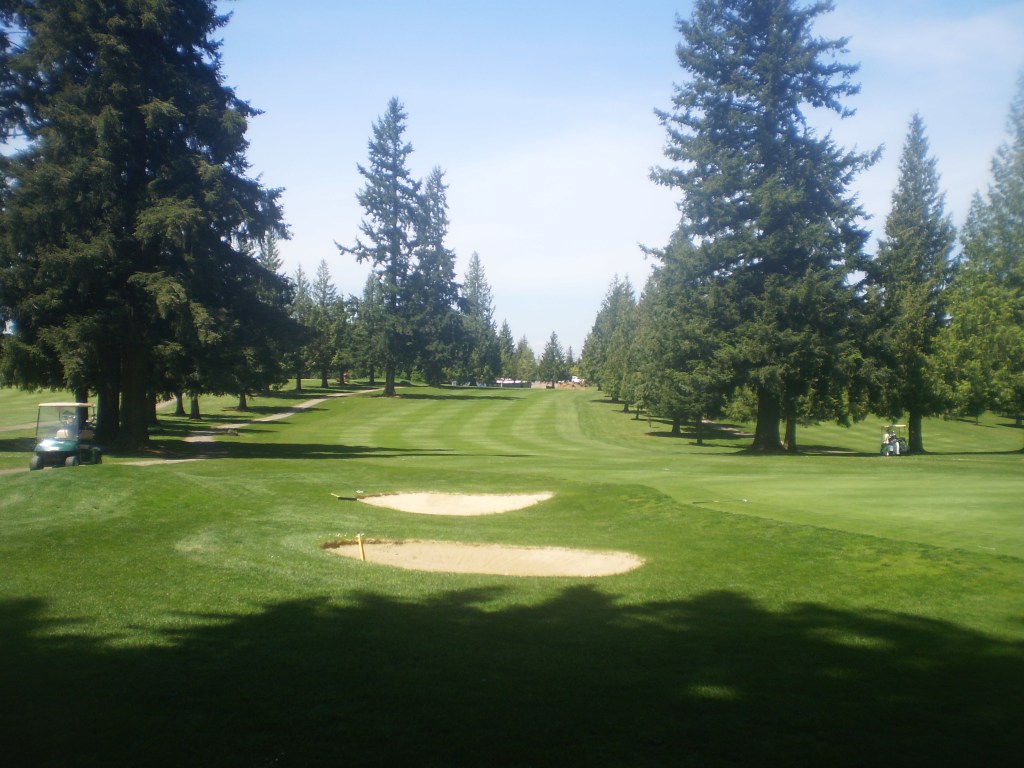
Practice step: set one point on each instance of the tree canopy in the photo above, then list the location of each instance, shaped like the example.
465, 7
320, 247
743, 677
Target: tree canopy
128, 218
911, 271
765, 200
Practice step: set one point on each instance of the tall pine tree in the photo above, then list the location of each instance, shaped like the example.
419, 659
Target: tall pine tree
434, 292
765, 200
910, 272
984, 346
482, 357
127, 212
391, 201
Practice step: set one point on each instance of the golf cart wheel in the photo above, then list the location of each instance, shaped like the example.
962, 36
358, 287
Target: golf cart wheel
36, 462
97, 456
71, 461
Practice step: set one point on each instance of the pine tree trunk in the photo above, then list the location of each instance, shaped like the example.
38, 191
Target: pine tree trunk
789, 444
107, 412
766, 433
699, 429
389, 380
677, 426
134, 431
243, 402
915, 438
179, 408
193, 412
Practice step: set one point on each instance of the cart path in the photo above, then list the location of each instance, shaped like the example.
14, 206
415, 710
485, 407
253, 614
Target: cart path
208, 436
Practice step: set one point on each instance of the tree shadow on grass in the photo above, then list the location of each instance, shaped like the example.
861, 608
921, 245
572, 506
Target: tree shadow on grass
453, 680
711, 433
17, 444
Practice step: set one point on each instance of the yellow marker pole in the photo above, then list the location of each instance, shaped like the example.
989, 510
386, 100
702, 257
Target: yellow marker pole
362, 552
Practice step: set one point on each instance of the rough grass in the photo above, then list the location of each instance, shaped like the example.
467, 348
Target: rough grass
831, 608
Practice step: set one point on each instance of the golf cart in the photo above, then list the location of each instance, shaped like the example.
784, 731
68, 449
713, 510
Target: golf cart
64, 436
894, 440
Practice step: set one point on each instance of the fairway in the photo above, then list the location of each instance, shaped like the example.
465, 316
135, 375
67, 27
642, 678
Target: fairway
832, 608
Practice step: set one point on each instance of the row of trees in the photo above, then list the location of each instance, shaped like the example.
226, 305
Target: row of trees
138, 257
413, 315
128, 223
345, 335
765, 295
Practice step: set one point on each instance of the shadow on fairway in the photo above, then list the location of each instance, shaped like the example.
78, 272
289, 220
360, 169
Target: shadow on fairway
578, 680
724, 432
17, 444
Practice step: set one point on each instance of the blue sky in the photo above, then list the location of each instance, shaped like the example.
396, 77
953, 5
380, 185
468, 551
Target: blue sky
542, 116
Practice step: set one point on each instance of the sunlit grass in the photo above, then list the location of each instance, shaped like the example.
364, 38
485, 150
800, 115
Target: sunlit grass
833, 608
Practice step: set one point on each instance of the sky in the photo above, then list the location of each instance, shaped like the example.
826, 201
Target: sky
542, 117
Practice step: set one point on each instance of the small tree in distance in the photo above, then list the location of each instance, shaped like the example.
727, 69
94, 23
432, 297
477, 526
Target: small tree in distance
551, 367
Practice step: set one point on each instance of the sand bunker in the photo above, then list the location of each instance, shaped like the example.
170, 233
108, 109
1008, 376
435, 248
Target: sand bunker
493, 559
500, 560
455, 503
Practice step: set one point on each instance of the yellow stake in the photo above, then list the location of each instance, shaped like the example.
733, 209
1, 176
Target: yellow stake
362, 552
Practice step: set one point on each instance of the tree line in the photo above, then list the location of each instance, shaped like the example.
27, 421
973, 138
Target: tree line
764, 305
139, 257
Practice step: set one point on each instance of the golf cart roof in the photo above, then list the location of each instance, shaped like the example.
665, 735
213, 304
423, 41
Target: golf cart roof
66, 405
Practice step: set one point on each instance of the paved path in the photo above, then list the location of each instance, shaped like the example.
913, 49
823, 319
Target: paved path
208, 436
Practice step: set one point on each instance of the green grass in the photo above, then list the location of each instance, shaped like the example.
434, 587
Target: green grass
833, 608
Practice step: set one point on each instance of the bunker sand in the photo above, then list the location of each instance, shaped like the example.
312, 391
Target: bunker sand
488, 559
492, 559
455, 504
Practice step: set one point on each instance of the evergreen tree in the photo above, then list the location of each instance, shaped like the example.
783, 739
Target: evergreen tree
482, 360
765, 200
551, 367
269, 255
684, 365
368, 323
391, 201
297, 359
127, 214
328, 324
911, 271
983, 348
618, 374
434, 291
507, 349
618, 302
525, 365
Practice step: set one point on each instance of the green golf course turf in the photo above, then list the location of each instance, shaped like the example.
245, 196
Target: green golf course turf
832, 608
